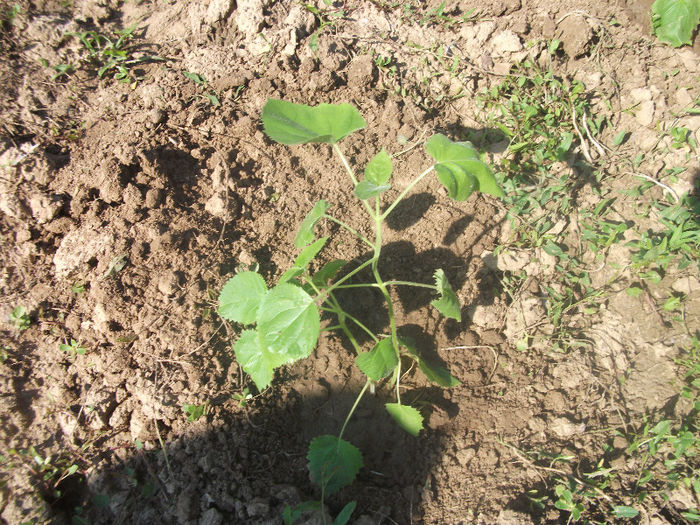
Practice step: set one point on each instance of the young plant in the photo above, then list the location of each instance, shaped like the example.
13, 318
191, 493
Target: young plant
284, 321
19, 317
73, 349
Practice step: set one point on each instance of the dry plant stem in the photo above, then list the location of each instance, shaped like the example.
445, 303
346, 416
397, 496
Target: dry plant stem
660, 184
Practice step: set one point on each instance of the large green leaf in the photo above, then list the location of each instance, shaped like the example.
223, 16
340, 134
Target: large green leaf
447, 304
288, 322
406, 417
303, 259
380, 361
305, 235
333, 462
255, 359
459, 168
241, 296
674, 21
291, 123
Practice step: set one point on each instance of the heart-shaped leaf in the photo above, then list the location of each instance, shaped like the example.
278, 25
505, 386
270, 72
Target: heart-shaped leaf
333, 462
447, 304
459, 168
305, 235
378, 362
290, 123
406, 417
241, 296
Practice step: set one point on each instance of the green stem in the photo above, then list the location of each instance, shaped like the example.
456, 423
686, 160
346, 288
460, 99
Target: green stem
354, 406
352, 176
351, 230
387, 297
348, 276
388, 283
403, 193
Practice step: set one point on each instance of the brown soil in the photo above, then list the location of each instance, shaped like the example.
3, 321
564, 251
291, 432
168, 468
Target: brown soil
182, 192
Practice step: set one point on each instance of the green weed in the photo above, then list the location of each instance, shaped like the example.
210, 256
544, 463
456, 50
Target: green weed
113, 56
73, 349
202, 83
19, 318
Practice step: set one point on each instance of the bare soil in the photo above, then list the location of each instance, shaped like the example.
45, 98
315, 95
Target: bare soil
176, 192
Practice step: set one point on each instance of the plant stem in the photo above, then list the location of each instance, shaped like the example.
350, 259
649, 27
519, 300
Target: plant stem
354, 406
388, 283
342, 314
348, 276
403, 193
351, 230
354, 179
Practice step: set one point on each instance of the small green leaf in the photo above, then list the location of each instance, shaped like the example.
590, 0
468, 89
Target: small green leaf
290, 123
379, 169
633, 291
674, 21
672, 303
241, 296
303, 259
622, 511
459, 168
620, 138
447, 304
367, 189
327, 273
344, 515
378, 362
333, 463
406, 417
305, 235
434, 373
553, 46
288, 322
567, 139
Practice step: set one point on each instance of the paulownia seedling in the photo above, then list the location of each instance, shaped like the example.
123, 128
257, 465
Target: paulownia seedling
283, 322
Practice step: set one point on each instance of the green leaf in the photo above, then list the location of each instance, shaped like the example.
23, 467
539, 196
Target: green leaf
255, 359
447, 304
303, 259
622, 511
241, 296
459, 168
327, 273
674, 21
305, 235
344, 515
379, 169
290, 123
434, 373
367, 189
333, 462
620, 138
567, 139
378, 362
406, 417
288, 322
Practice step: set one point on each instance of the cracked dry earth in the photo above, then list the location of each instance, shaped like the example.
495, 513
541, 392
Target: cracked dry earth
125, 206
